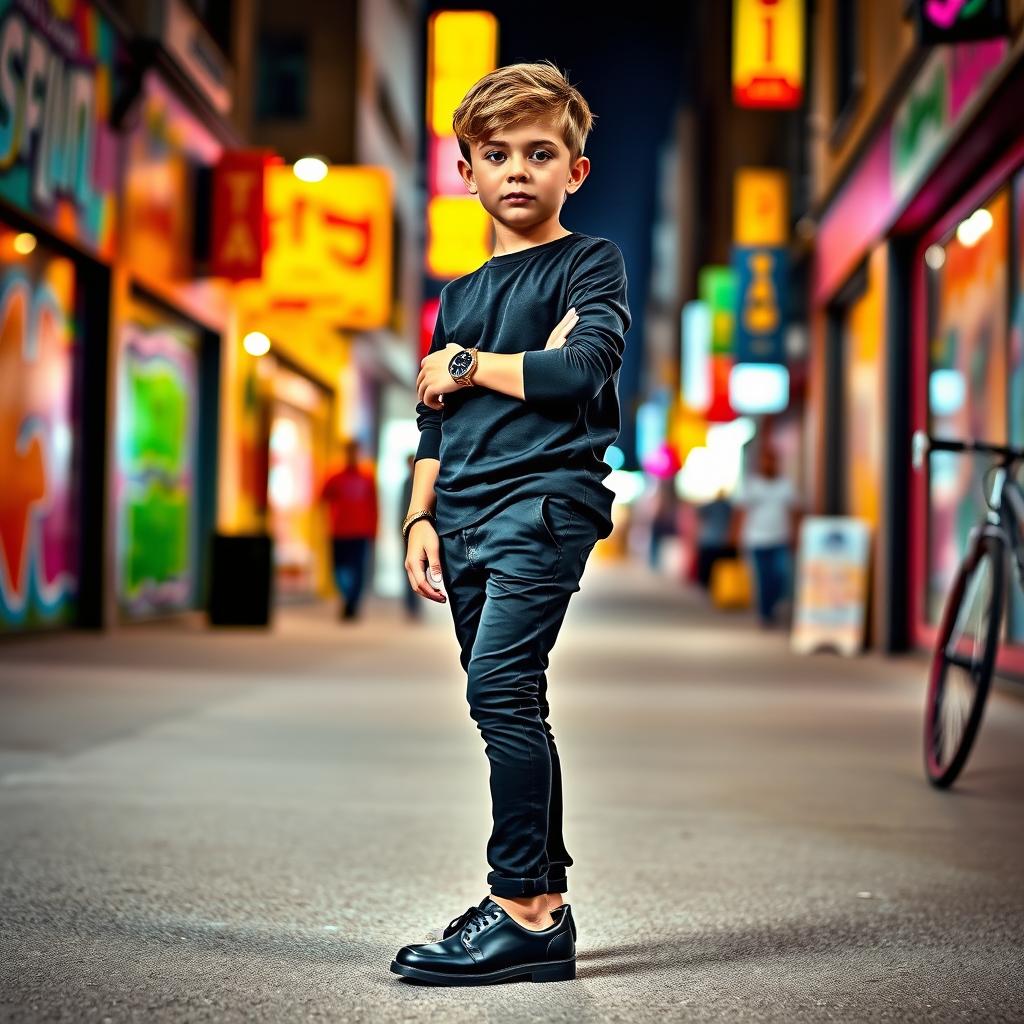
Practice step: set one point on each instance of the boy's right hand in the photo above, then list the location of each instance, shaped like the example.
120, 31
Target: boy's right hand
556, 339
422, 555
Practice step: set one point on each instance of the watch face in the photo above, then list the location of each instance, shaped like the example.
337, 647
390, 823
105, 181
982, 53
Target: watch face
460, 363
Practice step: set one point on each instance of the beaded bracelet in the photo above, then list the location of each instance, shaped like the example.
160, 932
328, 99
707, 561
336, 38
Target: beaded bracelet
423, 513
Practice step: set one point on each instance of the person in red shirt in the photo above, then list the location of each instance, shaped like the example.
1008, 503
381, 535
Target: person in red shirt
350, 495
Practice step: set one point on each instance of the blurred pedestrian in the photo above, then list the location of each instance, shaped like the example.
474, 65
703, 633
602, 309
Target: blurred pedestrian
663, 517
714, 522
350, 495
413, 604
765, 522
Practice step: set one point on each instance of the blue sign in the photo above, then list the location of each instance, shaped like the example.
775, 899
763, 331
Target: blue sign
761, 280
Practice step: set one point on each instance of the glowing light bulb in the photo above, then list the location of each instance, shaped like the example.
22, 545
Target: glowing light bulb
256, 343
970, 231
310, 168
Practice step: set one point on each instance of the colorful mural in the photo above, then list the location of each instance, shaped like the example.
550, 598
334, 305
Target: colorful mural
38, 540
58, 152
155, 480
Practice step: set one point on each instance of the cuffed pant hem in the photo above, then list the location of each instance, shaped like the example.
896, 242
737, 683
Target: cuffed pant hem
510, 887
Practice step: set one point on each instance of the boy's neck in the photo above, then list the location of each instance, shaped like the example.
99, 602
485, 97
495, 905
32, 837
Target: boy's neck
508, 240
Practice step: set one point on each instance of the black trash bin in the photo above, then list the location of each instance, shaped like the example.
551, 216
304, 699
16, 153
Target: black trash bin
242, 579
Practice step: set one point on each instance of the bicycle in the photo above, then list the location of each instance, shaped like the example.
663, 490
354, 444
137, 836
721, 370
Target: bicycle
964, 657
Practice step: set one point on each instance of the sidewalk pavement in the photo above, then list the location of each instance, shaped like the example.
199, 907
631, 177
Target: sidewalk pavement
245, 826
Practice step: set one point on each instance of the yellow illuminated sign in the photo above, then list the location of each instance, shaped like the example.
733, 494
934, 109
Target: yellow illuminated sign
768, 53
462, 47
329, 250
760, 206
458, 236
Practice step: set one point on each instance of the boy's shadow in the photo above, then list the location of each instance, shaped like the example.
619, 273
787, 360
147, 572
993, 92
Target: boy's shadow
684, 950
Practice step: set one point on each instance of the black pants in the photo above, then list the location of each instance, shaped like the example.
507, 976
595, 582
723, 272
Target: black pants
509, 580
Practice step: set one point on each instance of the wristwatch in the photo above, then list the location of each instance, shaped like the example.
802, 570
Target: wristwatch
463, 365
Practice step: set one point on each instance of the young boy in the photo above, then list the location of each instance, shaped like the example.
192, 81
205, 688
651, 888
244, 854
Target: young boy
508, 500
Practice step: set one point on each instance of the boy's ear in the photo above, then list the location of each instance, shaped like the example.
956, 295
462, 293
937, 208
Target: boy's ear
466, 173
580, 171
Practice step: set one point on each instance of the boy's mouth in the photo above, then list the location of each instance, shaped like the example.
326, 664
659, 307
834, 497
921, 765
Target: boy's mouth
513, 197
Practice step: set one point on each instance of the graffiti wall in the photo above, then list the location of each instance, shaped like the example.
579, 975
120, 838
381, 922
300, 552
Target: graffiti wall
156, 467
58, 153
38, 540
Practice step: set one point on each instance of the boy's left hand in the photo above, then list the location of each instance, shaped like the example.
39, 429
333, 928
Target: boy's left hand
434, 380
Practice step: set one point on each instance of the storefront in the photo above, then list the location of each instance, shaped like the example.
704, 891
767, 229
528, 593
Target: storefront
58, 207
169, 326
286, 409
296, 386
913, 327
968, 375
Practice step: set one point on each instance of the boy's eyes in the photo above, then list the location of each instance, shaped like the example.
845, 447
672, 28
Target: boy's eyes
498, 152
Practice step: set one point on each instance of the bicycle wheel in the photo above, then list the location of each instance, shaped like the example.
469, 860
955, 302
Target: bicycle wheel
962, 664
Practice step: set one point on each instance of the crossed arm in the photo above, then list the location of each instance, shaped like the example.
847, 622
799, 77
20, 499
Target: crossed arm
498, 371
575, 368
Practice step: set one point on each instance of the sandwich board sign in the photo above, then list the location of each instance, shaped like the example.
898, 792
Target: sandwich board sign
831, 585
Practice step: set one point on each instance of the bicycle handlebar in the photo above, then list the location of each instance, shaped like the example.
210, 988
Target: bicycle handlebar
923, 444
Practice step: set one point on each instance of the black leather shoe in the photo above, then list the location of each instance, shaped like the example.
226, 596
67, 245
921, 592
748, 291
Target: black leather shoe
566, 908
490, 946
436, 935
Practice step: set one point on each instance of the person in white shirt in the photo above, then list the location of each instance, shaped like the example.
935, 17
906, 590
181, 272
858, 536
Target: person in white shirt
766, 512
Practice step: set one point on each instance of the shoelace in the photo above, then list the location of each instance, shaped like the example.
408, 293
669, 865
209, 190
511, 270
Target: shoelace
476, 917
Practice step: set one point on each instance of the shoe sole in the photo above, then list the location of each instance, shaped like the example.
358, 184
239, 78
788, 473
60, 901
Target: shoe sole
561, 970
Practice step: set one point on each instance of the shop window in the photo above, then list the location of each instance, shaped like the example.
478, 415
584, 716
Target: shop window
299, 417
156, 474
968, 276
282, 78
855, 443
838, 422
291, 498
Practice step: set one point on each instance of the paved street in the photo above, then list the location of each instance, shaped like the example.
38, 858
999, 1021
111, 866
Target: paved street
234, 826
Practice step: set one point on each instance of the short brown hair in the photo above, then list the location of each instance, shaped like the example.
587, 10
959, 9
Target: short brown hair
517, 93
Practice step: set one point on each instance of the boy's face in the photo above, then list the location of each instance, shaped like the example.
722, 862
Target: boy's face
533, 159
